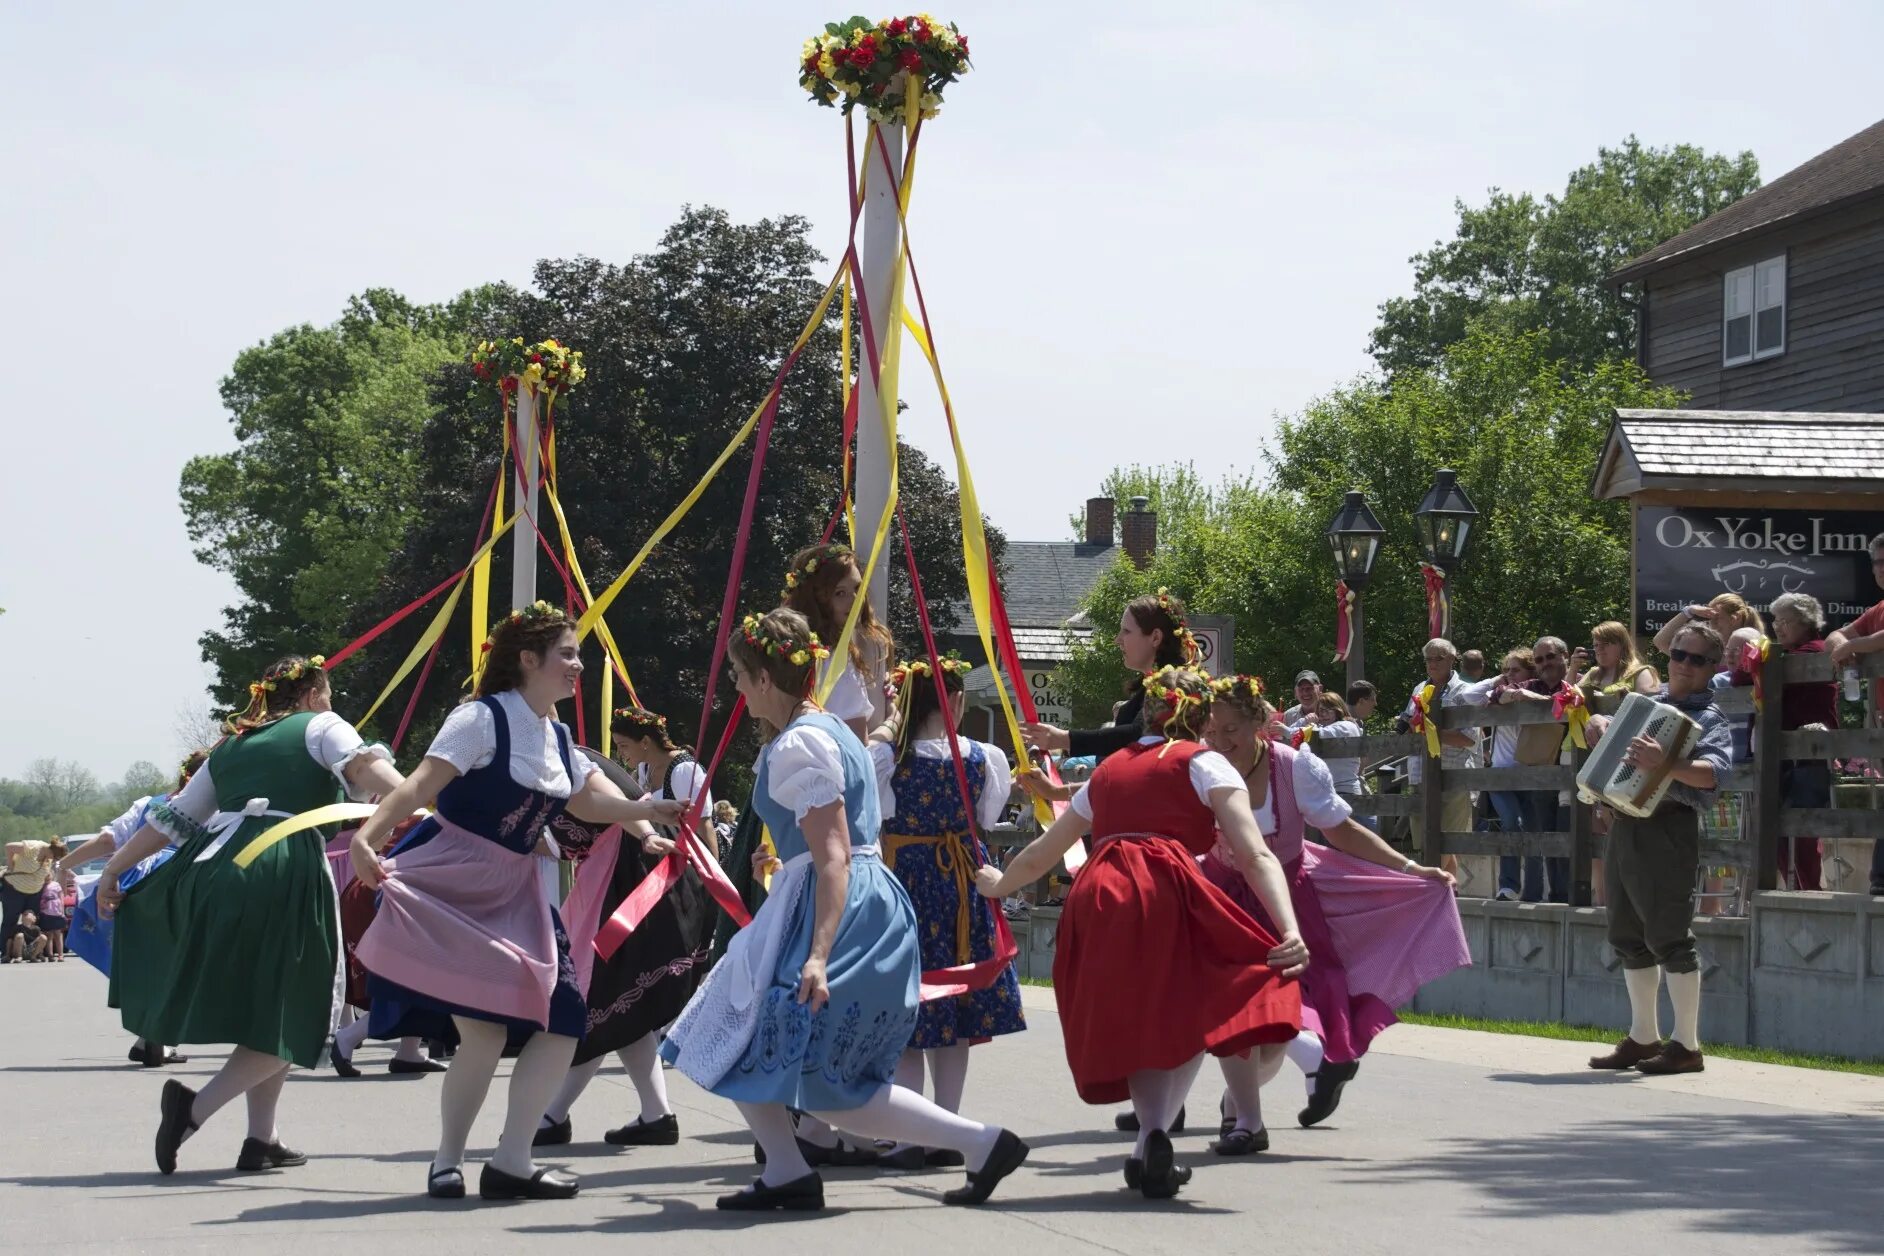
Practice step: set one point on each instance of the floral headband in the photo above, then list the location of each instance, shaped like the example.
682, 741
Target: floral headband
795, 575
538, 609
1181, 700
951, 663
640, 717
258, 690
1248, 688
1193, 652
799, 654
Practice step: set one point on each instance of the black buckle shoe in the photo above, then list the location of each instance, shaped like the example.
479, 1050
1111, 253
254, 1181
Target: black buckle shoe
1329, 1081
1163, 1175
445, 1183
1008, 1155
911, 1159
805, 1194
175, 1123
554, 1134
1241, 1142
664, 1132
257, 1155
408, 1068
494, 1183
943, 1158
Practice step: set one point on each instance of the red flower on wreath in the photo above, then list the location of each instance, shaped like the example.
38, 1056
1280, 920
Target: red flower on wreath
896, 26
862, 55
922, 32
811, 64
963, 41
911, 60
840, 56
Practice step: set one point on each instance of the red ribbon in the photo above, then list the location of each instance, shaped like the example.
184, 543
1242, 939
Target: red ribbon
1438, 605
1344, 620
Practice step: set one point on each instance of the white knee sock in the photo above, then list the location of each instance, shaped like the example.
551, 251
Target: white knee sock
949, 1067
348, 1037
467, 1081
642, 1059
1684, 992
411, 1050
241, 1072
1645, 1022
264, 1096
1241, 1075
1305, 1052
903, 1116
533, 1082
580, 1075
771, 1125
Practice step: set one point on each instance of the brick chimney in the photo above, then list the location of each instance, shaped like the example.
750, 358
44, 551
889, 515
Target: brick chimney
1100, 520
1138, 531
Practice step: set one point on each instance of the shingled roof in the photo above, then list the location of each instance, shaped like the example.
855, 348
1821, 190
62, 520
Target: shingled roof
1735, 450
1046, 582
1839, 176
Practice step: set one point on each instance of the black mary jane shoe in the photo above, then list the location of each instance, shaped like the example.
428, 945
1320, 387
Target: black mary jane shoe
1329, 1081
664, 1132
1008, 1155
413, 1068
1241, 1142
1134, 1173
494, 1183
445, 1183
175, 1123
555, 1134
1163, 1175
343, 1065
1226, 1118
257, 1155
943, 1158
1127, 1122
911, 1159
805, 1194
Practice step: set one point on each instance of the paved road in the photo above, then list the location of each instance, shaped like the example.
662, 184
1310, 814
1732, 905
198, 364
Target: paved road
1449, 1142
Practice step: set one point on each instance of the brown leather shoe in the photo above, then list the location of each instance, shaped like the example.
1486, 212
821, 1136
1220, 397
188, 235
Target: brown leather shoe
1628, 1054
1673, 1058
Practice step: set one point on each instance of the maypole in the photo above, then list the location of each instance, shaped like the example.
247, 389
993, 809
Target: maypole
878, 259
528, 475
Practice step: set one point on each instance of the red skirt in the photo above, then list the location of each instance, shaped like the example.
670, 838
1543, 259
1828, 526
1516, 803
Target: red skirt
1154, 965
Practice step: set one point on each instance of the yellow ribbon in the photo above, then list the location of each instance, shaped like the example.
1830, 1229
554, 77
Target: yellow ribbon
332, 813
1423, 698
481, 570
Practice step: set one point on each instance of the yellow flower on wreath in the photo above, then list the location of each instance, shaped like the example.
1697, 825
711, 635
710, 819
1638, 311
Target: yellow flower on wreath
852, 89
800, 658
826, 66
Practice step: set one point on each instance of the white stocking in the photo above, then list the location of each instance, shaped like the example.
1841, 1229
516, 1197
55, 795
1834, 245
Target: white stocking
903, 1116
580, 1075
348, 1037
642, 1059
244, 1070
1684, 992
411, 1050
771, 1125
1157, 1094
1242, 1075
533, 1081
949, 1067
909, 1070
467, 1081
1305, 1052
1645, 1025
264, 1096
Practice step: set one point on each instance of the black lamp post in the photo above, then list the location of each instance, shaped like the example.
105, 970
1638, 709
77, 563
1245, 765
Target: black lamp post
1445, 520
1355, 536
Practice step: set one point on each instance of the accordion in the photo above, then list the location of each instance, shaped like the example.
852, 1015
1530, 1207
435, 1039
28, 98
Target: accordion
1606, 776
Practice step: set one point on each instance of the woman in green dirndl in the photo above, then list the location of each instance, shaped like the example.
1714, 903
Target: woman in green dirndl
208, 951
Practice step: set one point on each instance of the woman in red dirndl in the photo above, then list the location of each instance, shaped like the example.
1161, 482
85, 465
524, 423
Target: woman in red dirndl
1152, 809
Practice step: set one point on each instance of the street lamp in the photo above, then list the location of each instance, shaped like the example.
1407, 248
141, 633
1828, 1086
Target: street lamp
1354, 537
1445, 521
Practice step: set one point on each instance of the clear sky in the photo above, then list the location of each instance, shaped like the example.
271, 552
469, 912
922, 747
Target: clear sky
1146, 229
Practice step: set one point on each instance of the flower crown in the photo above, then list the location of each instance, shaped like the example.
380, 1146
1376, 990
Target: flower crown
1182, 701
640, 717
1248, 688
857, 61
952, 663
796, 575
1193, 652
293, 672
799, 654
538, 609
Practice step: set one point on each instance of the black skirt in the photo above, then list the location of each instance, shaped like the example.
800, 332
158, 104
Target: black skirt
642, 988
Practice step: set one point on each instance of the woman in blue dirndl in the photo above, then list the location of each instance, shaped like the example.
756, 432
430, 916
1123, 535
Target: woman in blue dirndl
464, 928
817, 997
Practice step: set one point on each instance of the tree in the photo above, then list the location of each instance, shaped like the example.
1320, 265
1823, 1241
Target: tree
61, 784
680, 344
1499, 409
141, 779
1519, 264
318, 491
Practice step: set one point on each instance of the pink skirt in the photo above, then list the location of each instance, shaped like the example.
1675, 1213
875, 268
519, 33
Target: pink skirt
464, 921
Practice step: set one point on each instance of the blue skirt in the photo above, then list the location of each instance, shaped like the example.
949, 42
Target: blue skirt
89, 936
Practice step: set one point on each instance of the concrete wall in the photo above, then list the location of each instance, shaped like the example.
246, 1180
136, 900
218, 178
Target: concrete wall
1804, 973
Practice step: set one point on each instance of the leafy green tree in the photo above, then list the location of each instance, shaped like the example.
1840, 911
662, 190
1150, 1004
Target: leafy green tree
1498, 408
1521, 264
318, 492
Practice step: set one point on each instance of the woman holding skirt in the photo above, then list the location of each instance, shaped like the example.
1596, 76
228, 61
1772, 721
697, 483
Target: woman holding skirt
816, 998
463, 927
205, 950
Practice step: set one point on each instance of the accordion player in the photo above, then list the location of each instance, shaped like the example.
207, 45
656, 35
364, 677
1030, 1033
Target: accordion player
1608, 776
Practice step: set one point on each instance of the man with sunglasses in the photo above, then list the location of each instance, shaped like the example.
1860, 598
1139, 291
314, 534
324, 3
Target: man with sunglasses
1650, 867
1865, 635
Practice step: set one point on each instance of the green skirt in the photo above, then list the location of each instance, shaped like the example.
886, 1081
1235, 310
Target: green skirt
210, 953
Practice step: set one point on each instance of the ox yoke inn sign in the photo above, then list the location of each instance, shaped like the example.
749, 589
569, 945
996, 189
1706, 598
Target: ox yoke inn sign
1688, 554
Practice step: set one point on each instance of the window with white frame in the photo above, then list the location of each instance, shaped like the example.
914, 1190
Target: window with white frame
1753, 319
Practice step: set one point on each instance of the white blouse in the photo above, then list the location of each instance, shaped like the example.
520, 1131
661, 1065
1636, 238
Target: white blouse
1209, 771
850, 698
689, 780
805, 769
996, 784
331, 742
468, 740
125, 827
1315, 797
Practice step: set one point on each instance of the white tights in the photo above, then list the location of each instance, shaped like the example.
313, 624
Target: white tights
641, 1059
352, 1033
1245, 1075
1157, 1094
893, 1114
544, 1061
246, 1072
